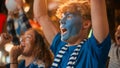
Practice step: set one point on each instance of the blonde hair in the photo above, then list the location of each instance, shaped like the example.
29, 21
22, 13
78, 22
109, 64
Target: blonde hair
80, 7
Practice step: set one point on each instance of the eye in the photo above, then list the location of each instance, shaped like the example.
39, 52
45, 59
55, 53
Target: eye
28, 37
69, 17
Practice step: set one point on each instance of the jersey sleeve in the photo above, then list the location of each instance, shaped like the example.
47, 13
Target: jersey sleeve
100, 50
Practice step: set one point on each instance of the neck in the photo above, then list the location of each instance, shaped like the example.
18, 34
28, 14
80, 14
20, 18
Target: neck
77, 40
74, 43
29, 60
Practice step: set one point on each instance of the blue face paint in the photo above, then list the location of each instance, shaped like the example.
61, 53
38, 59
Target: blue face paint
70, 25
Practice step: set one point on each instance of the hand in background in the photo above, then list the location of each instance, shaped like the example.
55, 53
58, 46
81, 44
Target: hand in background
20, 4
14, 5
5, 38
14, 53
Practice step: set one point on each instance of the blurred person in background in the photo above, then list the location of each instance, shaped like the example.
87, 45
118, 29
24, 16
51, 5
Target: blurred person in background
17, 21
34, 49
114, 53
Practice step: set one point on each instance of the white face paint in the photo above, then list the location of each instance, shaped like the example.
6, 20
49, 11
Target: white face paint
11, 5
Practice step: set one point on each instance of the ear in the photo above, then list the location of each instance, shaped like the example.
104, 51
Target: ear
86, 24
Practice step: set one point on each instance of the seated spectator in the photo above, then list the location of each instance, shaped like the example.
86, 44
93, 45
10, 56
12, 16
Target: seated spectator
115, 51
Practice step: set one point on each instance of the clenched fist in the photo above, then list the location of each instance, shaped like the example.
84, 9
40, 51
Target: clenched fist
5, 38
15, 52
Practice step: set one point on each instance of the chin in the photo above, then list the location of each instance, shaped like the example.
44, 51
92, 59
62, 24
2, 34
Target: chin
64, 39
23, 54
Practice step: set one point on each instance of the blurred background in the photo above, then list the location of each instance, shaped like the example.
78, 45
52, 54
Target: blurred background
113, 11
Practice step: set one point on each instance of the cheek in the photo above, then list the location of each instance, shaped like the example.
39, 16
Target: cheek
29, 46
28, 42
75, 24
77, 21
78, 24
69, 24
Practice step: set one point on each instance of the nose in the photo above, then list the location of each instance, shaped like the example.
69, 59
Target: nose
22, 41
62, 24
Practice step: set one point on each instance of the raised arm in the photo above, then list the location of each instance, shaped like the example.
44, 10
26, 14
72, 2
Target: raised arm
99, 20
40, 14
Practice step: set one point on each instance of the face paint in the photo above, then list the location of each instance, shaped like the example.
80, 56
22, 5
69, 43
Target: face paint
70, 25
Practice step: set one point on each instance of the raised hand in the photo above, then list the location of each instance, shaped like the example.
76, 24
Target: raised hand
19, 3
14, 53
5, 38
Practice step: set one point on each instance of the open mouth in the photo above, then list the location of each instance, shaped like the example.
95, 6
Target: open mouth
63, 31
118, 38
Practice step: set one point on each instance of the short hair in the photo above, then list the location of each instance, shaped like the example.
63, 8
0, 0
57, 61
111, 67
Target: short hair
80, 7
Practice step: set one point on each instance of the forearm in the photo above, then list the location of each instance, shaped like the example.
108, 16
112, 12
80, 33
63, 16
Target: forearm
1, 43
40, 8
13, 63
99, 19
40, 14
15, 52
48, 28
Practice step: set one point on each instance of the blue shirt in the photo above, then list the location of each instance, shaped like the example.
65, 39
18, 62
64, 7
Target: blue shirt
32, 65
91, 55
22, 65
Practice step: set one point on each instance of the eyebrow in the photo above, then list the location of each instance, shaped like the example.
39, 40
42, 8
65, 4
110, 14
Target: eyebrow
29, 35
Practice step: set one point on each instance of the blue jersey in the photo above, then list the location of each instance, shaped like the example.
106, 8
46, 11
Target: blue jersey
91, 55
